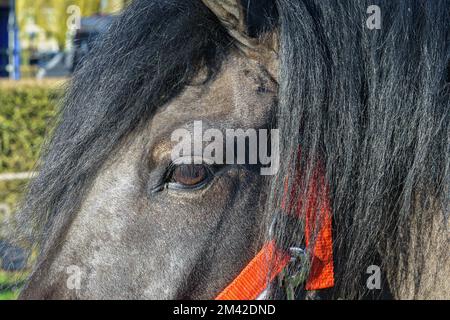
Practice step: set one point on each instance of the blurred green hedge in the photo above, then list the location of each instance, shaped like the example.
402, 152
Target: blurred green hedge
26, 111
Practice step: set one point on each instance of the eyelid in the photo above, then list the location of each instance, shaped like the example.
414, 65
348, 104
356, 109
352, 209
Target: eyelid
191, 160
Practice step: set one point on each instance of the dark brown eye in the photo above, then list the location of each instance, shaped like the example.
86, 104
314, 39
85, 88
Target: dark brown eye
190, 175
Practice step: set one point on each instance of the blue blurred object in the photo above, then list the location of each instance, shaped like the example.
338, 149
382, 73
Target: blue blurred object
9, 40
4, 42
14, 43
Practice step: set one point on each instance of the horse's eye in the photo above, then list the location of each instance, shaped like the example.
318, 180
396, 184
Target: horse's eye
189, 175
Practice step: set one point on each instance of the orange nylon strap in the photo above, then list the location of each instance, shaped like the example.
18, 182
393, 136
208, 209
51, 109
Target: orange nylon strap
318, 221
252, 281
321, 274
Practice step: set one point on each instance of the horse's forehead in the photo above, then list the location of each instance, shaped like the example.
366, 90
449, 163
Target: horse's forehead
241, 95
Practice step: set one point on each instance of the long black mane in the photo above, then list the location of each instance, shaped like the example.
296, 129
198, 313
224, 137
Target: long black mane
374, 107
371, 106
148, 56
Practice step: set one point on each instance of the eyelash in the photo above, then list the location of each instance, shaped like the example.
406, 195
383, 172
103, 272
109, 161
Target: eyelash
169, 172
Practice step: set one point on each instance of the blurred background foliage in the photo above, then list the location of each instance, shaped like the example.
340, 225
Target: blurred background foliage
27, 109
26, 112
48, 18
44, 26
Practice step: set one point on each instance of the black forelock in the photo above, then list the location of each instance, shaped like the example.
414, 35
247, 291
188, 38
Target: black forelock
146, 58
373, 108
